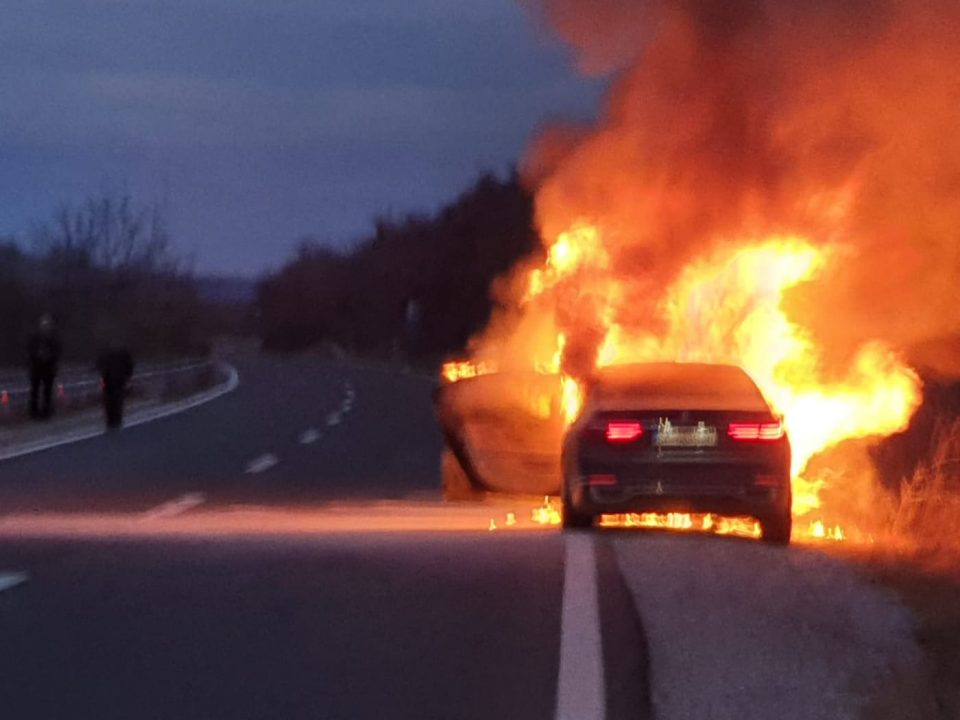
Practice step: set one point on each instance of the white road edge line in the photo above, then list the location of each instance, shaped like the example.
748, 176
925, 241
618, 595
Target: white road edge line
174, 507
50, 444
261, 464
229, 385
581, 694
12, 579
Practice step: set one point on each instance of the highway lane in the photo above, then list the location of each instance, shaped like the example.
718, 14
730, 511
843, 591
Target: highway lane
174, 572
245, 601
390, 449
380, 627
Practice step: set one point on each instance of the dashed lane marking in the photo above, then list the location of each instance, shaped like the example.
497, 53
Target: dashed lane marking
333, 419
349, 395
10, 580
174, 507
261, 464
309, 436
580, 681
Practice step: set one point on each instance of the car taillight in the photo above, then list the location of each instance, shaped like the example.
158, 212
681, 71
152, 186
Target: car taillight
756, 431
618, 432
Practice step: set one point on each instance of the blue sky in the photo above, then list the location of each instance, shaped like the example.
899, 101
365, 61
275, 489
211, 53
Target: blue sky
259, 122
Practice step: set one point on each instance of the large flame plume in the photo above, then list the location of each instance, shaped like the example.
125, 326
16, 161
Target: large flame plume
772, 184
832, 120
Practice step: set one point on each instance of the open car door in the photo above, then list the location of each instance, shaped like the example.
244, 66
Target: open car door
505, 431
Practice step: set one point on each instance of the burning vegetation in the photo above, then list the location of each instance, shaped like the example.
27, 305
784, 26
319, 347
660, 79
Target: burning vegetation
769, 184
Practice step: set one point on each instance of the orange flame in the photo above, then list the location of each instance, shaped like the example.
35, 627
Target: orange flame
727, 307
764, 185
463, 369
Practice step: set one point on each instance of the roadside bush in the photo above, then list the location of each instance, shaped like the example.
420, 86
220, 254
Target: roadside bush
445, 264
929, 512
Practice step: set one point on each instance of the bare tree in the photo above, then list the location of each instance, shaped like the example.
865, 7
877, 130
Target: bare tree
109, 233
109, 262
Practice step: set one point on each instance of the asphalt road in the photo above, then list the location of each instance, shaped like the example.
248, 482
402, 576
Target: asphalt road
281, 553
386, 446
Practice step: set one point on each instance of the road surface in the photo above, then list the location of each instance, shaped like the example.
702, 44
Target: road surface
281, 552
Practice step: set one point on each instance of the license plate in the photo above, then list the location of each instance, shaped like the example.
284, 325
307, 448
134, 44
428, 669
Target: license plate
686, 436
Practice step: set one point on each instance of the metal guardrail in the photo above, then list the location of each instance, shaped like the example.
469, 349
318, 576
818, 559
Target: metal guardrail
157, 382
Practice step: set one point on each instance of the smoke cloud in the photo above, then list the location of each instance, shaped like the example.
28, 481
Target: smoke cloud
735, 120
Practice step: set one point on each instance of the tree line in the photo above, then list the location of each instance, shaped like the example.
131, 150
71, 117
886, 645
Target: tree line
445, 263
106, 272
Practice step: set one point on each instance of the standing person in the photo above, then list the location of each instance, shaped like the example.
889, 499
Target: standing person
115, 365
43, 354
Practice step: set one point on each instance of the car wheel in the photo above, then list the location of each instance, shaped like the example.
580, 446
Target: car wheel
455, 484
776, 529
573, 520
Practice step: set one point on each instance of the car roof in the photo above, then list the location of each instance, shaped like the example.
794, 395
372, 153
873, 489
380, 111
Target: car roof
676, 386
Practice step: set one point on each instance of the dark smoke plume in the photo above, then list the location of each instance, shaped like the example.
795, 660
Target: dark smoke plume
836, 120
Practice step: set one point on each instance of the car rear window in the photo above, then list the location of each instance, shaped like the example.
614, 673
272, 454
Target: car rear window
679, 386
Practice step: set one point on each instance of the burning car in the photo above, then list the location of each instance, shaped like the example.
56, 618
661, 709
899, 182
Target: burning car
647, 437
677, 437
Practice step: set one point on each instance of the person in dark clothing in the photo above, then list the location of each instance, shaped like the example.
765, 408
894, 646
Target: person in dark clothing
115, 365
43, 354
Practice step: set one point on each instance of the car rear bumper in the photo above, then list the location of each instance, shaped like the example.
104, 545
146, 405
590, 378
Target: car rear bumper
662, 494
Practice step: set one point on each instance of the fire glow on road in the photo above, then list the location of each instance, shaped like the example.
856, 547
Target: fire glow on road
187, 517
548, 514
413, 516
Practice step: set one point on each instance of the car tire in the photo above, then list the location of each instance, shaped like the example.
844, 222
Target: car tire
455, 484
776, 529
572, 520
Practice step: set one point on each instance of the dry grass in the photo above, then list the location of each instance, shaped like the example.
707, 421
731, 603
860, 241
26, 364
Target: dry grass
922, 565
929, 513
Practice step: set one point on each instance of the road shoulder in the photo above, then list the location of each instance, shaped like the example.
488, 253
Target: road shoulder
765, 632
37, 437
929, 584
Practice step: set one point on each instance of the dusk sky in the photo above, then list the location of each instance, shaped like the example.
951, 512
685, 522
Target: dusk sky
260, 123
